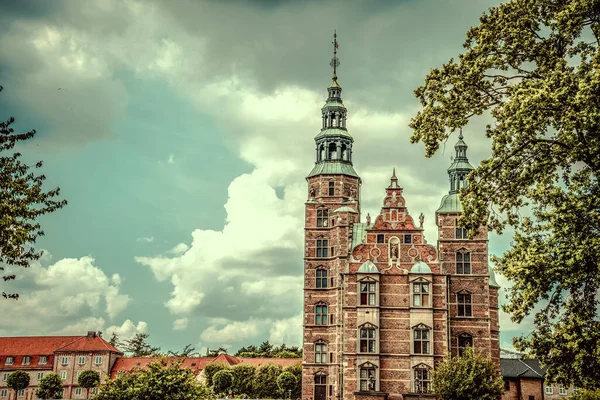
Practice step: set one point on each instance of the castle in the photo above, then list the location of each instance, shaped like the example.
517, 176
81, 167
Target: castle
381, 305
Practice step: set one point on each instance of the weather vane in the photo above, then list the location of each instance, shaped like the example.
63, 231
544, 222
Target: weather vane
335, 61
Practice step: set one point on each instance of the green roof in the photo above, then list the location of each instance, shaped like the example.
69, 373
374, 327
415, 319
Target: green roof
334, 103
333, 132
493, 282
359, 234
420, 268
368, 268
460, 164
450, 204
334, 167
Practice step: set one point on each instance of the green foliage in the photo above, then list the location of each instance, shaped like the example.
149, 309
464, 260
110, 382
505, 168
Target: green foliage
296, 370
211, 369
222, 381
265, 381
214, 353
139, 347
114, 340
586, 394
22, 201
243, 375
161, 380
188, 351
532, 65
88, 379
287, 384
468, 377
50, 387
17, 380
266, 350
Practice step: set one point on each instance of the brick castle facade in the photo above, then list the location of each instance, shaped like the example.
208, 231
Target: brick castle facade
381, 305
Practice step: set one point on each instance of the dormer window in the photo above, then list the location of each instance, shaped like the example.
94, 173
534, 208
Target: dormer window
26, 360
43, 360
9, 361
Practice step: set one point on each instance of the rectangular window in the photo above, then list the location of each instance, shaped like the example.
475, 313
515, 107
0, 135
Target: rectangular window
9, 361
81, 360
407, 239
464, 341
367, 379
461, 233
332, 253
322, 247
332, 188
4, 376
421, 341
43, 360
464, 305
331, 357
549, 389
367, 340
98, 360
463, 263
562, 390
3, 393
531, 397
78, 391
320, 353
26, 360
21, 393
321, 282
380, 238
321, 314
422, 381
368, 291
421, 294
64, 360
63, 375
322, 217
40, 375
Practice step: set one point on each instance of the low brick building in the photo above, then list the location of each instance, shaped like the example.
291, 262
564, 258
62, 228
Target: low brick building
524, 379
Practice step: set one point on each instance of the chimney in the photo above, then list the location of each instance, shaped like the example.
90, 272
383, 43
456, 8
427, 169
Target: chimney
91, 334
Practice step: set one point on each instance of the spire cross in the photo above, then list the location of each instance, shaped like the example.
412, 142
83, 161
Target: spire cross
335, 62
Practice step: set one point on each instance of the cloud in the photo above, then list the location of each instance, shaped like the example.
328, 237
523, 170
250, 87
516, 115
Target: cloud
127, 330
180, 324
231, 333
171, 159
145, 239
179, 249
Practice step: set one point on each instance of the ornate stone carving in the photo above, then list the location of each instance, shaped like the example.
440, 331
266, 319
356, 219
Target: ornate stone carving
421, 220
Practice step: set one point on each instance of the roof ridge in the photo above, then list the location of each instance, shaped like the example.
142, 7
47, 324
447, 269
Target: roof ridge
70, 343
534, 371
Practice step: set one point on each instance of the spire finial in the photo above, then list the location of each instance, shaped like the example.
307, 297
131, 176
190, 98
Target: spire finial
460, 135
335, 61
394, 173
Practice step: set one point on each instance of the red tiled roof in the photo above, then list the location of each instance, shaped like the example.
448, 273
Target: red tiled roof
226, 359
284, 362
87, 343
33, 345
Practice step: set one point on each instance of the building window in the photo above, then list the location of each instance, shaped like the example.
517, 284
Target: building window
367, 379
321, 314
43, 360
78, 391
322, 218
322, 245
94, 390
549, 389
464, 341
81, 360
9, 361
562, 390
506, 385
461, 233
421, 340
21, 393
63, 375
320, 353
421, 294
26, 360
64, 360
3, 393
463, 262
40, 375
464, 304
380, 238
367, 339
321, 278
368, 291
4, 377
407, 239
320, 387
79, 374
531, 397
331, 188
422, 380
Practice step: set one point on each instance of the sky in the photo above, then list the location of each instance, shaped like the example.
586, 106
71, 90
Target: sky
181, 131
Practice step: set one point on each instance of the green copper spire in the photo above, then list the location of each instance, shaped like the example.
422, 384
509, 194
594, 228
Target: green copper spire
458, 171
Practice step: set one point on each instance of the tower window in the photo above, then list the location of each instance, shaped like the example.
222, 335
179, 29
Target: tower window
464, 341
322, 218
380, 238
421, 340
320, 387
320, 353
321, 314
321, 275
464, 304
368, 293
322, 248
461, 233
463, 262
422, 380
367, 379
421, 294
332, 188
407, 239
367, 340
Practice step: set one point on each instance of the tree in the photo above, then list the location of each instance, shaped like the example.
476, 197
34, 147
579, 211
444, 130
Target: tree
17, 380
211, 369
22, 201
586, 394
468, 377
114, 340
243, 374
222, 381
296, 370
287, 383
214, 353
265, 381
88, 379
188, 351
139, 347
50, 387
161, 380
532, 65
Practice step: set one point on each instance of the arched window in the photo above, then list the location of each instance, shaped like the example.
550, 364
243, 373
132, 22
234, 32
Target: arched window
422, 379
463, 262
320, 352
368, 378
368, 339
464, 341
463, 300
421, 339
322, 217
321, 278
321, 314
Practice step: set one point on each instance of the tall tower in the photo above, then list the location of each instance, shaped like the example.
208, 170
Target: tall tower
473, 291
331, 210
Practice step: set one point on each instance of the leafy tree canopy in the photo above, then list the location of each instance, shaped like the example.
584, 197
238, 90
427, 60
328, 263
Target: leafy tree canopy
22, 201
17, 380
586, 394
243, 374
267, 349
114, 340
468, 377
223, 381
287, 383
88, 379
188, 351
138, 346
161, 380
50, 387
532, 65
211, 369
265, 381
